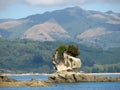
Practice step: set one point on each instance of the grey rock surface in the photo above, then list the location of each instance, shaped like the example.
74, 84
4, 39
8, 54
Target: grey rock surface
73, 77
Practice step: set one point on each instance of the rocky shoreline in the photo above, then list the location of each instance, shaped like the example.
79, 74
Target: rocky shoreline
73, 77
8, 82
57, 77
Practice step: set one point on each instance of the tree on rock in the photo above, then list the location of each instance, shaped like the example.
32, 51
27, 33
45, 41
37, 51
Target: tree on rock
62, 48
64, 58
70, 49
73, 50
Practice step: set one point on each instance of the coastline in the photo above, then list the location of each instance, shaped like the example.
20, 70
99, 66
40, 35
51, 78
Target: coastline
45, 74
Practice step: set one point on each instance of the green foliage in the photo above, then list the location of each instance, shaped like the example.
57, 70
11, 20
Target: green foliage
34, 56
97, 68
25, 55
62, 48
70, 49
102, 68
73, 50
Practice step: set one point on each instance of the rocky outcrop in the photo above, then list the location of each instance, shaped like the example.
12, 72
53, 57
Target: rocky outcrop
6, 79
8, 82
73, 77
66, 62
66, 67
36, 83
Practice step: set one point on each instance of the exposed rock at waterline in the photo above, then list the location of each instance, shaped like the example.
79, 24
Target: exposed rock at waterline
8, 82
73, 77
6, 79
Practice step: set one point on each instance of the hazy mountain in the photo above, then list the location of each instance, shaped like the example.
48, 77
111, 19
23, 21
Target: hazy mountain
71, 24
48, 31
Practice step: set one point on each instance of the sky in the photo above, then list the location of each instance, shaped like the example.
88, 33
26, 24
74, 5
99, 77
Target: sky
22, 8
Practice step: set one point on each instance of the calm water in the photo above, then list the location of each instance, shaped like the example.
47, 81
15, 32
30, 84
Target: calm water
73, 86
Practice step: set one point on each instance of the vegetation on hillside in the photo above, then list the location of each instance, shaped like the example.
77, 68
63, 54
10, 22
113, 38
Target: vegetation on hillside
21, 56
74, 23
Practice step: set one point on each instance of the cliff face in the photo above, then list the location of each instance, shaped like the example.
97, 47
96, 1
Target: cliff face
66, 62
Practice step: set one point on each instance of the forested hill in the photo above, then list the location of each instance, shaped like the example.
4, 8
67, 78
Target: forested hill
18, 56
72, 24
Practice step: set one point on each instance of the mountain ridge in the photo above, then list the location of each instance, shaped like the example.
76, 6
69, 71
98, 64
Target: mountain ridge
75, 21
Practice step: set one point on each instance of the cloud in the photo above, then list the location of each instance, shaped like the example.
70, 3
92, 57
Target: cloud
48, 3
103, 1
67, 2
54, 2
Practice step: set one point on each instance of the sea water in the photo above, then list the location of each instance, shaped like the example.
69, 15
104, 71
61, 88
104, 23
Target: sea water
70, 86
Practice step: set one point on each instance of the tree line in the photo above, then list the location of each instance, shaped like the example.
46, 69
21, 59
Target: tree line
19, 56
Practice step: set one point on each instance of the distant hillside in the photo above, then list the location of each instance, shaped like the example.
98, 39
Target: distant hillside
20, 56
91, 28
48, 31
